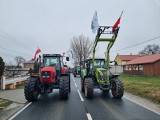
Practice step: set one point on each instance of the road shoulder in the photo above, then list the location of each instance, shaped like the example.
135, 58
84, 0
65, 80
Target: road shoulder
143, 102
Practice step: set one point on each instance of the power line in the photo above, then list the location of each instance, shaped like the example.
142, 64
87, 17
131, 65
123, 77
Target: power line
14, 51
13, 40
137, 44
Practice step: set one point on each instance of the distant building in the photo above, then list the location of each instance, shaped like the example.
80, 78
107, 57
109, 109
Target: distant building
144, 65
29, 64
123, 59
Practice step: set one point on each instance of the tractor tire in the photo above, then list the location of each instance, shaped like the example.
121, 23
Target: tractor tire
82, 85
88, 88
64, 87
117, 88
31, 91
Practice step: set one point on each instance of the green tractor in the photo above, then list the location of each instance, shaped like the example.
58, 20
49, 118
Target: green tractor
96, 73
76, 71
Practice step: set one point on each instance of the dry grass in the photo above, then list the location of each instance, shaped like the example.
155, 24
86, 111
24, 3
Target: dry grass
144, 86
4, 104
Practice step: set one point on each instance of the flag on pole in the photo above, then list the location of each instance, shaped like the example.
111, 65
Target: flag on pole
38, 51
94, 23
117, 23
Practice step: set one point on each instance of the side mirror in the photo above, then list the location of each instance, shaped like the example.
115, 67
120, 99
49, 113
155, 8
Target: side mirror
67, 58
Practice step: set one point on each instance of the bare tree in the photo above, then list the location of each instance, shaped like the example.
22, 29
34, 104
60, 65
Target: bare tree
82, 48
19, 60
150, 49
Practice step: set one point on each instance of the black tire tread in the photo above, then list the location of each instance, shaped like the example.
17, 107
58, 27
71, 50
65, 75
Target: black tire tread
82, 85
29, 89
120, 88
90, 87
64, 87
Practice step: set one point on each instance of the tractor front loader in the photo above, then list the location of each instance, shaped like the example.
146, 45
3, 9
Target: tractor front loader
96, 73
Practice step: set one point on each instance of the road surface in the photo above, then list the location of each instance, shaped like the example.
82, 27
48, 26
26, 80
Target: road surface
77, 107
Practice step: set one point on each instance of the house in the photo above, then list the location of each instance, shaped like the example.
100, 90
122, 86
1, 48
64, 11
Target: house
123, 59
29, 64
144, 65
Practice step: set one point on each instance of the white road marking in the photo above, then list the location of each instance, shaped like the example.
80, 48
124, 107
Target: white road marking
142, 105
80, 95
11, 118
75, 84
89, 116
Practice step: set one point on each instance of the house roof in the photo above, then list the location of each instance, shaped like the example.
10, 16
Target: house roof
127, 57
144, 59
30, 62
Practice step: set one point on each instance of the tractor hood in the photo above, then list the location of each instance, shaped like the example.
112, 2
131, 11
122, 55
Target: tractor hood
48, 69
48, 74
102, 74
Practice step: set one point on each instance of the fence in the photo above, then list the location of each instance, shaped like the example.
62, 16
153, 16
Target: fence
11, 82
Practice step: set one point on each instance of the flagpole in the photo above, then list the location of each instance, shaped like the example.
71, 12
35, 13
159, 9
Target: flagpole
121, 14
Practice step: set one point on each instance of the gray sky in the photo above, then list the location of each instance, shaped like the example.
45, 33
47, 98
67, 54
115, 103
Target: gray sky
50, 24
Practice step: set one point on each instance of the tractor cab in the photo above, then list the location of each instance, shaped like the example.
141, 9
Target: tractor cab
53, 60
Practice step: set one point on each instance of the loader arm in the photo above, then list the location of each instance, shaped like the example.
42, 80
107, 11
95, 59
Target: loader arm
104, 30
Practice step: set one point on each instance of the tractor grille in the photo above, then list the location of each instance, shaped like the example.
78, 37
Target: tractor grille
104, 74
46, 74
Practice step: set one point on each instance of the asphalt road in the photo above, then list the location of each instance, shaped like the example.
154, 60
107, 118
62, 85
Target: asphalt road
101, 107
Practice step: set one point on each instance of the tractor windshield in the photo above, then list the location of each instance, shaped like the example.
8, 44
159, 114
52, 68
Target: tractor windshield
99, 63
52, 61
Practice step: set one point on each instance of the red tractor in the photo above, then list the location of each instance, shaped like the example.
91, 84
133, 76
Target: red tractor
53, 74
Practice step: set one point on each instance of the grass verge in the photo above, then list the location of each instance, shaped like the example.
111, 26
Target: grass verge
20, 86
144, 86
4, 103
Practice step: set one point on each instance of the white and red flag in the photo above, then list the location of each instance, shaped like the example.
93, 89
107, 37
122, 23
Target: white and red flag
94, 23
38, 51
117, 23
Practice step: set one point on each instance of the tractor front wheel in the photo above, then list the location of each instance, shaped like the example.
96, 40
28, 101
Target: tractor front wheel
64, 87
82, 85
31, 91
117, 88
88, 87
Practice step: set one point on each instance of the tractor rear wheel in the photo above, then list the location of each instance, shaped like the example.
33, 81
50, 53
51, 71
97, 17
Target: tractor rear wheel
88, 87
64, 87
117, 88
31, 91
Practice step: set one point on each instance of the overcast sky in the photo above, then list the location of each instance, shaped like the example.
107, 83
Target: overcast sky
50, 25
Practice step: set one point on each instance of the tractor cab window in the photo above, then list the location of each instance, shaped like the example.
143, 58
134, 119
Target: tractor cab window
52, 61
99, 63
